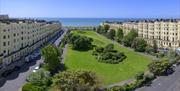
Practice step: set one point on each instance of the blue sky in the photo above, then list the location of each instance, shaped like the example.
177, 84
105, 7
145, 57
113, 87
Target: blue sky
92, 8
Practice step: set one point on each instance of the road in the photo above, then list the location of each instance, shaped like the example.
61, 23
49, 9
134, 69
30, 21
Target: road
57, 42
165, 83
14, 81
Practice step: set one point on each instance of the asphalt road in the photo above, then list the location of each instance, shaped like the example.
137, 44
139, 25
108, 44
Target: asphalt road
14, 81
165, 83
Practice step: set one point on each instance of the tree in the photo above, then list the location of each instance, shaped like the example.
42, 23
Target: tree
52, 58
111, 34
38, 81
75, 81
80, 42
155, 47
149, 49
119, 35
128, 39
139, 44
159, 67
40, 78
106, 27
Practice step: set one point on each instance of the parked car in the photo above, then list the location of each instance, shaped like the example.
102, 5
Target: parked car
36, 68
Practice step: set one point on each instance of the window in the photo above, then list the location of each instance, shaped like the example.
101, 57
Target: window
4, 51
14, 34
4, 43
4, 30
4, 37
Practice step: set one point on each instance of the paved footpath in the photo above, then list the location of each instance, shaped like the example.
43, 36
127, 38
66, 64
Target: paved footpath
165, 83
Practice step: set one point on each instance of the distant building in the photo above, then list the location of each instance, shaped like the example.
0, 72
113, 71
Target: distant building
166, 32
4, 17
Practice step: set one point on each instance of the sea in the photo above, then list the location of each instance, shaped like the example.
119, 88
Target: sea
87, 21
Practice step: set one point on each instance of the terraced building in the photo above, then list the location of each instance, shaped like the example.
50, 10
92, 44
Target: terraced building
166, 32
20, 37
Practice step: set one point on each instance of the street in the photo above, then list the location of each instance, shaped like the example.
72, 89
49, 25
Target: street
165, 83
15, 81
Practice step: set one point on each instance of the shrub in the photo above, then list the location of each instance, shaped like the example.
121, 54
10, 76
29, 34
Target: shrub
159, 67
31, 87
139, 75
108, 54
75, 81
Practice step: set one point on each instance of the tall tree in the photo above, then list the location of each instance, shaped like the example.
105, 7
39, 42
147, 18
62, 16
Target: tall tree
128, 39
119, 35
139, 44
111, 34
51, 55
155, 47
106, 27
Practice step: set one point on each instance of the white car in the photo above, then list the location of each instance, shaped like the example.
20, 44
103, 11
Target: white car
36, 68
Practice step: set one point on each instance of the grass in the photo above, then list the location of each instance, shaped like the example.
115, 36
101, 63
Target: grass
108, 73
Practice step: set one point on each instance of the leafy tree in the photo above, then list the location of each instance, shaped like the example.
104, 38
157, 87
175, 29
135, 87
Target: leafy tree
139, 44
38, 81
111, 34
51, 55
106, 27
80, 42
119, 35
75, 81
128, 39
101, 30
149, 49
40, 78
159, 67
155, 47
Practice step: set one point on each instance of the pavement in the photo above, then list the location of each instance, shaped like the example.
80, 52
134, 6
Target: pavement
164, 83
17, 79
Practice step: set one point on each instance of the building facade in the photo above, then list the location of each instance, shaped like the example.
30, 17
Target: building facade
18, 38
166, 33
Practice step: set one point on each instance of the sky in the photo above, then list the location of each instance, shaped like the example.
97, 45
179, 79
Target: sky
91, 8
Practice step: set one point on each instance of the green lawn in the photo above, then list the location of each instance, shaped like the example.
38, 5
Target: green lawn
108, 73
